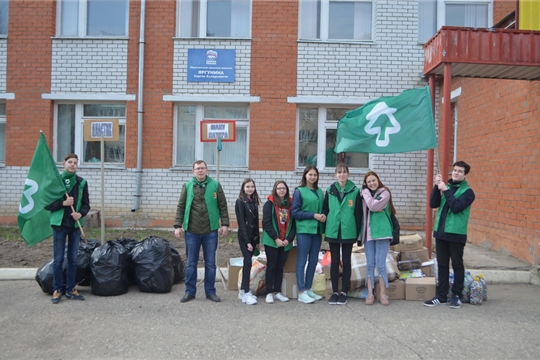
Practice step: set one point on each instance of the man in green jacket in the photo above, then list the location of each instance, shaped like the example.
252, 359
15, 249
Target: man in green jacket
201, 207
450, 231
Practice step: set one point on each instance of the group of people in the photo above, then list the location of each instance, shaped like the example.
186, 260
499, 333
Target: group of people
346, 214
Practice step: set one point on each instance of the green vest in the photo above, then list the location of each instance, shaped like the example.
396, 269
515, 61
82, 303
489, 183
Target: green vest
58, 215
341, 214
380, 223
310, 203
267, 240
210, 197
456, 223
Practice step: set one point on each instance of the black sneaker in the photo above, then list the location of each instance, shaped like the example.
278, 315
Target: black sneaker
74, 295
435, 302
333, 299
342, 299
455, 303
57, 296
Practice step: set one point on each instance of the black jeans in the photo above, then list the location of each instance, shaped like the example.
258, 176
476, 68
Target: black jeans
345, 258
447, 250
275, 262
246, 270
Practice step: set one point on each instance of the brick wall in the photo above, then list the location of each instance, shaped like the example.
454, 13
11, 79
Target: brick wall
498, 136
501, 8
31, 27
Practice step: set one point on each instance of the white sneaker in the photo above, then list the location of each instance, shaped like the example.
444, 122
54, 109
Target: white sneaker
305, 298
313, 295
270, 298
281, 297
249, 299
241, 295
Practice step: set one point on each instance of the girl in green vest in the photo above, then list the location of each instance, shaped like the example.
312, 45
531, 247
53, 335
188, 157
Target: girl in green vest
343, 209
247, 216
307, 211
278, 235
376, 232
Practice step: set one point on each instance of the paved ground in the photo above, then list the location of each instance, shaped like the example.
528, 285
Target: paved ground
157, 326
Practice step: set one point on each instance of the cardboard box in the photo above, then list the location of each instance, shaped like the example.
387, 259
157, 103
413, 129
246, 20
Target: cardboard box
289, 287
290, 264
409, 243
421, 255
420, 288
395, 290
233, 268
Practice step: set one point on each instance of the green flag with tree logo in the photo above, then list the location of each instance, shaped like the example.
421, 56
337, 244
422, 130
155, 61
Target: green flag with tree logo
387, 125
42, 187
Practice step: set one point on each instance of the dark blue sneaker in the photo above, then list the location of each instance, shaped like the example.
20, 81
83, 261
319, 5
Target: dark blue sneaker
455, 303
56, 297
333, 299
74, 295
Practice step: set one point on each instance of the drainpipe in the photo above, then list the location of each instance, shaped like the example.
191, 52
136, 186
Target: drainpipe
140, 108
429, 175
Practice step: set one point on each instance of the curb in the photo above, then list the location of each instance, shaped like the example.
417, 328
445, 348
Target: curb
491, 276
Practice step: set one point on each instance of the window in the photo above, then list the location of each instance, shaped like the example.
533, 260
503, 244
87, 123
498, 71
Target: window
317, 137
336, 20
70, 132
4, 12
189, 147
2, 132
432, 14
92, 17
214, 18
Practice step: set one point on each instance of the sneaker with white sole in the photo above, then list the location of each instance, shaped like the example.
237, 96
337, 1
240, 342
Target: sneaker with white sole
434, 302
241, 295
249, 298
333, 299
313, 295
281, 297
270, 298
342, 299
305, 298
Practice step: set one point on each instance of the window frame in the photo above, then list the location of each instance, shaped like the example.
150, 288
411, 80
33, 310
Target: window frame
441, 14
79, 131
202, 27
199, 145
82, 21
6, 18
324, 21
323, 124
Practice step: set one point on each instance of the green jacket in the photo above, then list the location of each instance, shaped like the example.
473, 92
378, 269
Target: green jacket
201, 206
310, 203
59, 217
379, 221
343, 215
271, 228
456, 223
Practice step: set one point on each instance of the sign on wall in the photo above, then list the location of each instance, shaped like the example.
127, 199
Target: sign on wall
212, 129
209, 65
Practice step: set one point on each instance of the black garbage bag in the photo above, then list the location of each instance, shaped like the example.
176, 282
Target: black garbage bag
44, 276
153, 265
109, 266
84, 258
129, 244
178, 266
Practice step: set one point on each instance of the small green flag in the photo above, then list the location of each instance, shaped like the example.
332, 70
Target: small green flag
387, 125
42, 187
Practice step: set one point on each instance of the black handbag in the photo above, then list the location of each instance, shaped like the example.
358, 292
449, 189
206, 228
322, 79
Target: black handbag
395, 231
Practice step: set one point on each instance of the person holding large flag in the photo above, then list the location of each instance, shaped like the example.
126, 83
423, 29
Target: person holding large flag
66, 216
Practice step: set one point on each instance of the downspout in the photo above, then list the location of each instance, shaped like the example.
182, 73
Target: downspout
140, 108
429, 175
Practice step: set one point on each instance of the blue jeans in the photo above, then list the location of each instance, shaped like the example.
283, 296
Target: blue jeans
308, 251
209, 244
59, 248
376, 251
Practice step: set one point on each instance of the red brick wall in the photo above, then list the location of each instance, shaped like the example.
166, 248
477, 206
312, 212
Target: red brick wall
158, 58
501, 8
498, 136
31, 26
273, 76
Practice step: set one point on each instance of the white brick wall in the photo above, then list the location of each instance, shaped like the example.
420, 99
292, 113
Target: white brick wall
240, 87
3, 64
89, 65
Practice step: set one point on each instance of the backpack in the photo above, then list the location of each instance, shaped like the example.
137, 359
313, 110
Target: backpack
395, 231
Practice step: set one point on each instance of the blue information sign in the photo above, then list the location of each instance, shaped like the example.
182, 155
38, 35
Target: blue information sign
209, 65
